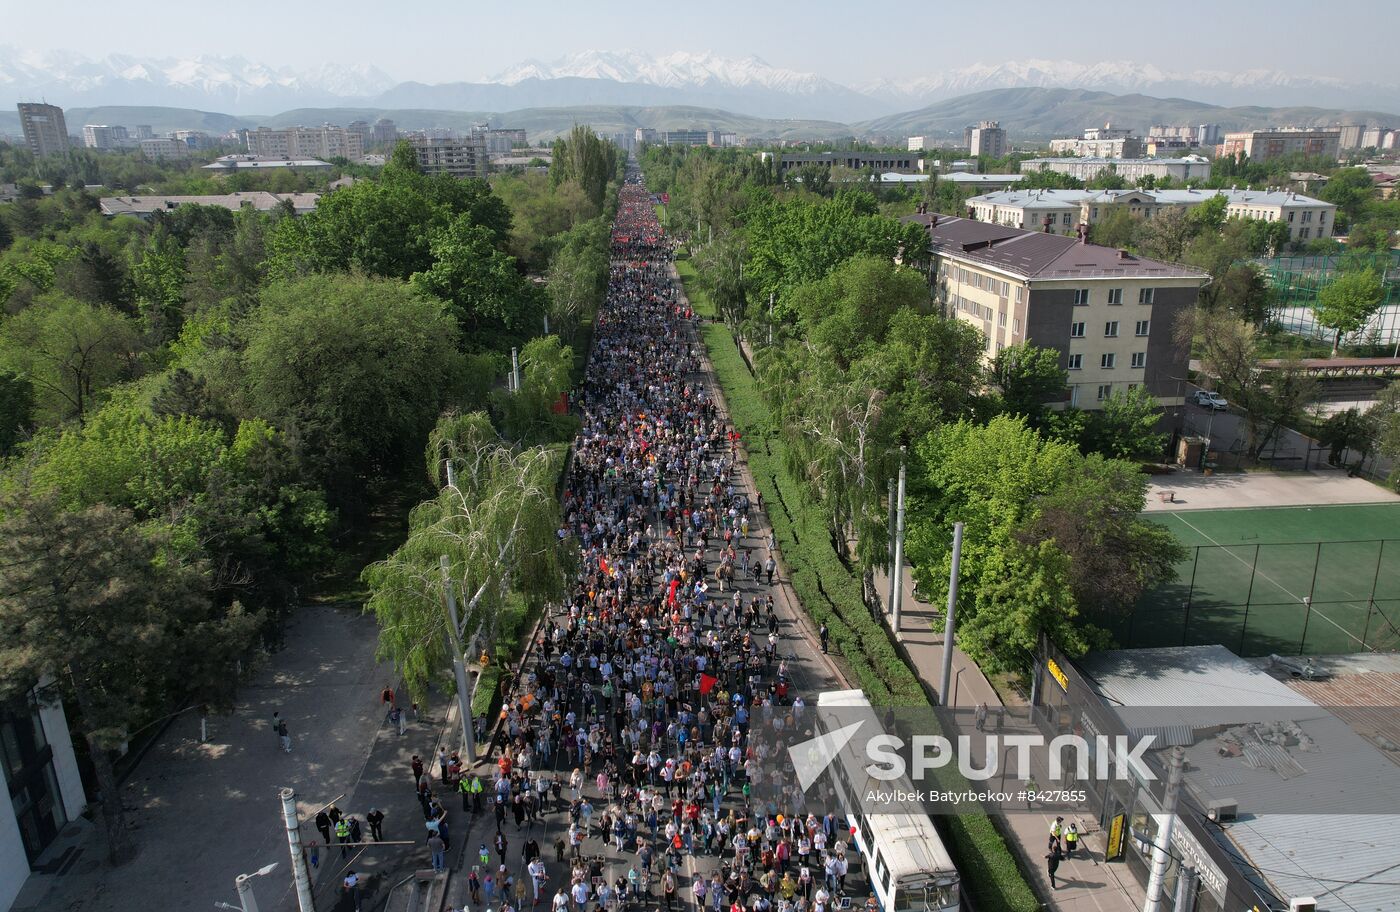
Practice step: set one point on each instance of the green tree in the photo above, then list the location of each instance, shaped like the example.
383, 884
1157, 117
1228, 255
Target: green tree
16, 410
1350, 189
1120, 229
1384, 417
1348, 302
494, 304
546, 368
70, 351
118, 619
360, 367
851, 307
1126, 427
497, 527
1028, 378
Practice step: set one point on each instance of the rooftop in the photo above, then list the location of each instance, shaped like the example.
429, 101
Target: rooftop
1092, 160
258, 199
965, 177
1059, 199
240, 162
1039, 255
1312, 794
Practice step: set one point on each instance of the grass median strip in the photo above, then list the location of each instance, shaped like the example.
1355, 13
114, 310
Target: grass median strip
831, 594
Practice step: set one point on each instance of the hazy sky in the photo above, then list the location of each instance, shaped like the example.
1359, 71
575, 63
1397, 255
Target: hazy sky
446, 40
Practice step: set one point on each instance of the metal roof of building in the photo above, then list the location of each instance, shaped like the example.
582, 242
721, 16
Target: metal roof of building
1037, 254
1059, 199
1336, 849
257, 199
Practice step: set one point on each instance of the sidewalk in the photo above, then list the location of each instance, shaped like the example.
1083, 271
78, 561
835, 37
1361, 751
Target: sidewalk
203, 813
1086, 884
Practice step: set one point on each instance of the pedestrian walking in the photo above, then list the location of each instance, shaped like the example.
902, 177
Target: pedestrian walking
1052, 864
284, 736
1071, 840
981, 715
416, 764
351, 887
375, 819
342, 836
825, 635
1057, 830
323, 824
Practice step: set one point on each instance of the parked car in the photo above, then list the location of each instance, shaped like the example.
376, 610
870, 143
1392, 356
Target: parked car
1210, 400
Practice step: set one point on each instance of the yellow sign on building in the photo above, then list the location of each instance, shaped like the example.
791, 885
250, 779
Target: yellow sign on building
1058, 674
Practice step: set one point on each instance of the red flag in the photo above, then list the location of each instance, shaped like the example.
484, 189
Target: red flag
603, 565
671, 596
707, 683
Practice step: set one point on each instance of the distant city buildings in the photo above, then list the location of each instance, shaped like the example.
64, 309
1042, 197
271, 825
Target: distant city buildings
163, 149
462, 158
645, 136
988, 138
1378, 138
498, 140
1062, 211
1192, 136
1262, 145
1130, 169
101, 136
685, 138
1101, 142
917, 143
384, 134
45, 131
879, 162
305, 142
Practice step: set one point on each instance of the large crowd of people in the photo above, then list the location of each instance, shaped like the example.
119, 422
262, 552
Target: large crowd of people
641, 717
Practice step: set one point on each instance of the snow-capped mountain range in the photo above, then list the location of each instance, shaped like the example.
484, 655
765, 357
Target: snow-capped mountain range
744, 85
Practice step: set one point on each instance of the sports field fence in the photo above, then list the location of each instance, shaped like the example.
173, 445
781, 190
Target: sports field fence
1286, 598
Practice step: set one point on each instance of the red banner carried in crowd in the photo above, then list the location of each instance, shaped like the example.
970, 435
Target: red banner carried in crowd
707, 683
603, 565
671, 595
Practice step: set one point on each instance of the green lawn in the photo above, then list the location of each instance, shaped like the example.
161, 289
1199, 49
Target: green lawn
699, 299
1250, 575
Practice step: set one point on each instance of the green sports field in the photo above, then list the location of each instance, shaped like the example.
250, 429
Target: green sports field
1288, 580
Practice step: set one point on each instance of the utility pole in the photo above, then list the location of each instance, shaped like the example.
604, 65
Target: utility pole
948, 624
897, 573
515, 370
1161, 851
246, 900
546, 324
889, 564
305, 902
770, 318
459, 671
1185, 889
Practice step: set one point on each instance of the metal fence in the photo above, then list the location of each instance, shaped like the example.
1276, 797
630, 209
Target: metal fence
1308, 598
1297, 280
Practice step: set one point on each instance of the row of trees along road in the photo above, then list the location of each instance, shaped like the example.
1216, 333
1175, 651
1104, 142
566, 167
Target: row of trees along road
195, 409
856, 359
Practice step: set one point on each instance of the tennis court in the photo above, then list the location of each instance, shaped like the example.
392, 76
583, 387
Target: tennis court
1287, 580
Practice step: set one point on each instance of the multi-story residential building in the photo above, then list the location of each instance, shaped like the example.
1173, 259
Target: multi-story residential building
1101, 142
364, 130
1130, 169
1108, 313
1350, 136
195, 139
162, 149
145, 207
685, 138
384, 133
645, 136
498, 140
903, 162
1062, 211
1262, 145
99, 136
457, 157
45, 131
1377, 138
988, 138
142, 131
917, 143
45, 788
306, 142
718, 139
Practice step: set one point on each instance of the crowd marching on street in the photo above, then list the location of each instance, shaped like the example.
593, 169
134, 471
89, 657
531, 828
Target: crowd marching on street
641, 732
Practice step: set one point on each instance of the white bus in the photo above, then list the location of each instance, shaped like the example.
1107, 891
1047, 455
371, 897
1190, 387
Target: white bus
909, 868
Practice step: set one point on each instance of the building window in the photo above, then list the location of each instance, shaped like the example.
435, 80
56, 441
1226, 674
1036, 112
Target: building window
1115, 296
1304, 233
1145, 295
1015, 324
1081, 296
1066, 219
1108, 361
1307, 217
1290, 216
1076, 330
1139, 359
1142, 327
1020, 293
1001, 319
1110, 329
1105, 390
1076, 362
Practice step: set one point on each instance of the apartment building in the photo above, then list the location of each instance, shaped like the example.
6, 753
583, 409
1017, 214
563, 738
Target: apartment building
902, 162
457, 157
988, 138
685, 138
384, 133
1130, 169
499, 140
917, 143
45, 131
102, 136
306, 142
1108, 313
1061, 211
1101, 142
163, 149
718, 139
1262, 145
